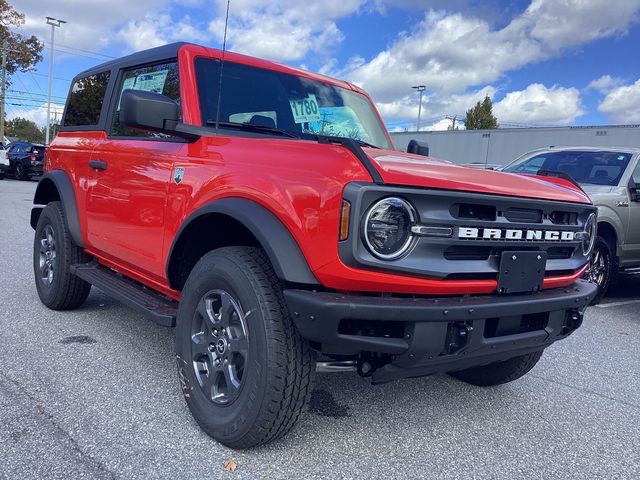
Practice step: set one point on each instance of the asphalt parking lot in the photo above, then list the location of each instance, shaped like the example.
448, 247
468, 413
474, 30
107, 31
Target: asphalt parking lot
93, 394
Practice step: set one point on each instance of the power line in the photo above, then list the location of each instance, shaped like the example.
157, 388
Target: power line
34, 94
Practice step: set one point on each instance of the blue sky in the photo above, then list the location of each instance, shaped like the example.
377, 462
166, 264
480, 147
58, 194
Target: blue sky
544, 62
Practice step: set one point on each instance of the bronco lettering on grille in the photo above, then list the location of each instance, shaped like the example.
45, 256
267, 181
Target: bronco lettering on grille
516, 234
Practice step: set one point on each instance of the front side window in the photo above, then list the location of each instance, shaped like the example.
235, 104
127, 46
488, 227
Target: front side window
636, 174
85, 100
162, 78
594, 168
301, 106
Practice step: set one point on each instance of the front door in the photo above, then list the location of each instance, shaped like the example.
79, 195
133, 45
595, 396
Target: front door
633, 229
126, 200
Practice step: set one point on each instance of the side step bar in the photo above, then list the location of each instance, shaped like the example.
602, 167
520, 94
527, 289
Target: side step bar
159, 308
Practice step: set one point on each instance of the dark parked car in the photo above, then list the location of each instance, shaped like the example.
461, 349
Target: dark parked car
26, 159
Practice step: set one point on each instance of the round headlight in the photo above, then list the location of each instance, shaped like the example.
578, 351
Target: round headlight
387, 228
590, 233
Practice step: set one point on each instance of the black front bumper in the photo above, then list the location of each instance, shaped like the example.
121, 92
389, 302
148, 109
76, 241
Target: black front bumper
423, 336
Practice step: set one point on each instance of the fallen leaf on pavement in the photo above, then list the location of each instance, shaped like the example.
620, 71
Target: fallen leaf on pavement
229, 466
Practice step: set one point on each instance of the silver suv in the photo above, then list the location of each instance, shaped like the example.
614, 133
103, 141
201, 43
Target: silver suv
611, 177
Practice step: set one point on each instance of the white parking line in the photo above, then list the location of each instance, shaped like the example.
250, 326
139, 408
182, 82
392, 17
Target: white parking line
618, 304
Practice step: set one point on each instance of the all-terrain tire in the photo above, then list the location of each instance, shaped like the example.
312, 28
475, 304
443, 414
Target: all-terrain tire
61, 290
499, 372
276, 380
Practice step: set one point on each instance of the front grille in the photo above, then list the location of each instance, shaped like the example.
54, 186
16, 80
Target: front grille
560, 253
466, 253
478, 255
523, 215
564, 218
468, 211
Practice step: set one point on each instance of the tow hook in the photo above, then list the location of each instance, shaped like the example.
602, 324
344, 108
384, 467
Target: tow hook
572, 321
459, 334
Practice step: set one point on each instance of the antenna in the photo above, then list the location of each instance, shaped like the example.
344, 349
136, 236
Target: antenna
224, 49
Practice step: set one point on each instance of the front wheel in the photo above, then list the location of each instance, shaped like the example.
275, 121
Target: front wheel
601, 268
499, 372
245, 372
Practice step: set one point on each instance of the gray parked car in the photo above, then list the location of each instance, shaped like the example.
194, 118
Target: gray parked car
611, 177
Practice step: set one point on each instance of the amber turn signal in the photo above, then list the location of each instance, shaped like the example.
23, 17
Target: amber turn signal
345, 213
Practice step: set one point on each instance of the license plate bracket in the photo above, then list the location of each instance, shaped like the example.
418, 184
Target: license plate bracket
521, 272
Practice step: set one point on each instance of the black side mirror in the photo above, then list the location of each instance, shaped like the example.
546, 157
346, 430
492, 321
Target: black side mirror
153, 112
418, 148
634, 191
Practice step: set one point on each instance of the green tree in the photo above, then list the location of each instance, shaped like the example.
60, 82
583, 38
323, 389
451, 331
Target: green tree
481, 116
25, 130
23, 52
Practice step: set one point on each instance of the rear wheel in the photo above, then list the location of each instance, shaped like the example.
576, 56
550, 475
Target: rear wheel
245, 372
19, 171
601, 268
53, 254
499, 372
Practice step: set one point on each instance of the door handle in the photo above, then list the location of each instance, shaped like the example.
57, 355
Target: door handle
98, 164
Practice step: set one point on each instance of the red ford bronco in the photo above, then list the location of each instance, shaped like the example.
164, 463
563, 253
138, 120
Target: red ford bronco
263, 211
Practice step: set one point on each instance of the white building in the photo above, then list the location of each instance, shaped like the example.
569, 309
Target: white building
503, 145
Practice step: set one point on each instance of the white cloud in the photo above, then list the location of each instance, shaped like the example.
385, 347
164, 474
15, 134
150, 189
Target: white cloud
452, 52
90, 25
623, 103
283, 30
154, 30
434, 105
538, 104
605, 84
37, 114
444, 124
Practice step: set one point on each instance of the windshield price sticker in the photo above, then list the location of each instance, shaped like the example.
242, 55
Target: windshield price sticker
305, 110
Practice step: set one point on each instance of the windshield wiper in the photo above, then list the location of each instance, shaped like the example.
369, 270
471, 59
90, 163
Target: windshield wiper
362, 143
254, 128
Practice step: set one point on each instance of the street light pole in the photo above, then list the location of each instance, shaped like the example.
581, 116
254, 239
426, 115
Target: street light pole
54, 22
421, 89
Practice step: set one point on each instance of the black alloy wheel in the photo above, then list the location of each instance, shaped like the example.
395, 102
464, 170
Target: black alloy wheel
219, 346
601, 268
47, 260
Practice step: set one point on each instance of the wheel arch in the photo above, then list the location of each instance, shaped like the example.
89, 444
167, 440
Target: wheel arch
608, 231
244, 222
56, 186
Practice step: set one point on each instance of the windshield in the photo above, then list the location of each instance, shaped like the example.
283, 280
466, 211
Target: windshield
596, 168
298, 105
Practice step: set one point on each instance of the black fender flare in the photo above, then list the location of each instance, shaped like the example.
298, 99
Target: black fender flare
62, 183
282, 249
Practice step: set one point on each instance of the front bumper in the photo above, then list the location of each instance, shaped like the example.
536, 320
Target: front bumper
423, 336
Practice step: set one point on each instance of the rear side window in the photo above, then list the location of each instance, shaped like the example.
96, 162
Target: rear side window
162, 78
85, 100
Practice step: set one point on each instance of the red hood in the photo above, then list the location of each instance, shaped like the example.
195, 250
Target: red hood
401, 168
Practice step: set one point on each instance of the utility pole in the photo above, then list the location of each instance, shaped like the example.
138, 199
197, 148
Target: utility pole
54, 22
3, 79
453, 121
420, 89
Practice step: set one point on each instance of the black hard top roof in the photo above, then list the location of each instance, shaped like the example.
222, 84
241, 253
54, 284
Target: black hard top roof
138, 58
